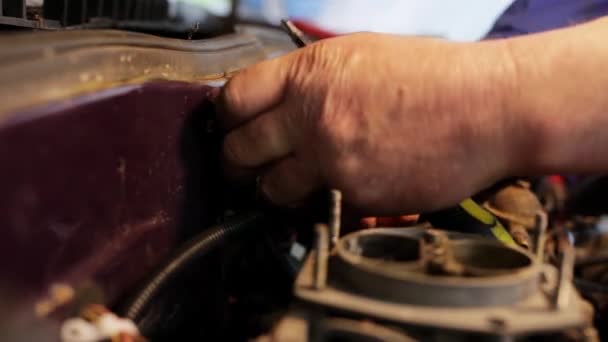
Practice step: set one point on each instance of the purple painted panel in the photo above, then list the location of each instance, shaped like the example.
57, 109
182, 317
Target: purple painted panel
94, 189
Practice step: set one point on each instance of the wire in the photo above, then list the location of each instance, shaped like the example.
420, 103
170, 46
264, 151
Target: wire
193, 250
294, 33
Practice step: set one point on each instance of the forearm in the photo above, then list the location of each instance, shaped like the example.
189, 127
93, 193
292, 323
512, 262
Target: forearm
558, 103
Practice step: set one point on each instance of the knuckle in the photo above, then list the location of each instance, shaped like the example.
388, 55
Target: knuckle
265, 137
275, 184
261, 128
232, 98
270, 190
312, 55
326, 120
232, 150
344, 170
288, 182
362, 185
360, 196
313, 60
338, 124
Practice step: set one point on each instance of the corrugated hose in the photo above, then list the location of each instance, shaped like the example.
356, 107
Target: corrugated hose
193, 250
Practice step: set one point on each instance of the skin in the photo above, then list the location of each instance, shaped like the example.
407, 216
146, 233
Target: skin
404, 124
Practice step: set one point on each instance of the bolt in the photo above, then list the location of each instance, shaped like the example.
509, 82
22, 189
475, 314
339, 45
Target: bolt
520, 234
541, 224
564, 285
429, 238
335, 215
321, 255
432, 236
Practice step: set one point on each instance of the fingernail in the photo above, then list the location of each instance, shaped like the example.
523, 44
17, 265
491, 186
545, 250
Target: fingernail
268, 195
263, 190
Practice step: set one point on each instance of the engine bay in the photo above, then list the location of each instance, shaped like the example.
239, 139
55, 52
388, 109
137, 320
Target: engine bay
416, 282
118, 224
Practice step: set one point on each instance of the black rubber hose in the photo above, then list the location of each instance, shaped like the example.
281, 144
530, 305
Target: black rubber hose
196, 248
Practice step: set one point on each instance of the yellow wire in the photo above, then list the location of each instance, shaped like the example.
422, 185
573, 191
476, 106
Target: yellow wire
486, 217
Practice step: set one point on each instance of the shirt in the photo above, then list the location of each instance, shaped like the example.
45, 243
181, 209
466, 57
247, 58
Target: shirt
530, 16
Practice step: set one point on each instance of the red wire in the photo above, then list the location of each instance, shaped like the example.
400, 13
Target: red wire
313, 30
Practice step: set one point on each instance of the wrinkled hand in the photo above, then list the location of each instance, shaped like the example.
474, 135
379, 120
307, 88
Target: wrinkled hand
398, 124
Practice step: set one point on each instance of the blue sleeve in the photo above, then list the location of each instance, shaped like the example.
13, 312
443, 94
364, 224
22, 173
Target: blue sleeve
530, 16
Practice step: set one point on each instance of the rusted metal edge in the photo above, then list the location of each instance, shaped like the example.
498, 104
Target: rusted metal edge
60, 69
46, 24
36, 44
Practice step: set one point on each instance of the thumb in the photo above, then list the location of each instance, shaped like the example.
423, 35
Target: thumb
253, 91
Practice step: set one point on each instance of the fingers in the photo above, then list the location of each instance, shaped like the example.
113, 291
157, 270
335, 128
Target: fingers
289, 181
260, 141
238, 174
259, 134
253, 90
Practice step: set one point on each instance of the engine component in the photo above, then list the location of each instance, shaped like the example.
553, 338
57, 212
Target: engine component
378, 274
469, 217
96, 323
198, 247
520, 208
590, 238
419, 283
405, 267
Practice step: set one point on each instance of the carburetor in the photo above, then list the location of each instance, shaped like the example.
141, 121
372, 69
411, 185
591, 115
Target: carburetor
420, 283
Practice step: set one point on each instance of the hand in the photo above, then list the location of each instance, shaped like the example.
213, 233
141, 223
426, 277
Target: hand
397, 124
